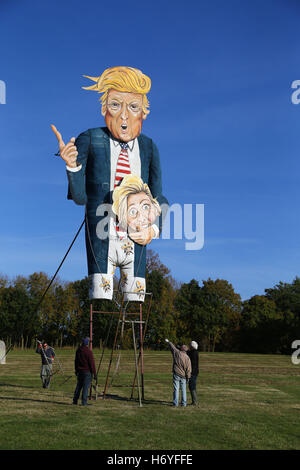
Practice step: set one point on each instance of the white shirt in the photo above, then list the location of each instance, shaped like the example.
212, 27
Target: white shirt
115, 149
133, 157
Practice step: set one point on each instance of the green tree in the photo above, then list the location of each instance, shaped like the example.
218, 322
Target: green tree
287, 299
223, 308
209, 313
16, 317
286, 296
261, 325
163, 317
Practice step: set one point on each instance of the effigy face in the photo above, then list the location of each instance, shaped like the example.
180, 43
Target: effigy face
134, 205
140, 212
124, 114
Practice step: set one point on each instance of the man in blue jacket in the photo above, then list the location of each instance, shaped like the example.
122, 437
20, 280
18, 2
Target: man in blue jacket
95, 163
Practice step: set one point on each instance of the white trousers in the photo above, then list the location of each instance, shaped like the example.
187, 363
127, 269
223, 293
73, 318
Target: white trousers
120, 254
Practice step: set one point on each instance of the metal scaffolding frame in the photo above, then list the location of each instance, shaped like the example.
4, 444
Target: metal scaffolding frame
132, 319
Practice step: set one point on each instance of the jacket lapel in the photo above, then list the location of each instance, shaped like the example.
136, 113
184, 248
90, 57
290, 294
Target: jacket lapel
142, 158
107, 149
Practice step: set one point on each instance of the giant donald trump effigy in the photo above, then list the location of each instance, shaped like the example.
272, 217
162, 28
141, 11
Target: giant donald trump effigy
115, 172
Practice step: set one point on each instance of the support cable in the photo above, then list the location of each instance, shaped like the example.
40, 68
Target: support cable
49, 285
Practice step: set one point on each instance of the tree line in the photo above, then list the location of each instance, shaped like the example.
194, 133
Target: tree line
212, 314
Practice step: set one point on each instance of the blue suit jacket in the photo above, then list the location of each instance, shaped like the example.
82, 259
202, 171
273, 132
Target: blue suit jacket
91, 187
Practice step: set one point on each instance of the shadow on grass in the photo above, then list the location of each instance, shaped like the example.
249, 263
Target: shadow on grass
17, 386
35, 400
135, 400
108, 396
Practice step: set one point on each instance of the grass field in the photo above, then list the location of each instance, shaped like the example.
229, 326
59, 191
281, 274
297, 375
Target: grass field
245, 402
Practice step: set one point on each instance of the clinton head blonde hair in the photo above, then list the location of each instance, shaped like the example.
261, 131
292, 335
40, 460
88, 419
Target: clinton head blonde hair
124, 79
131, 184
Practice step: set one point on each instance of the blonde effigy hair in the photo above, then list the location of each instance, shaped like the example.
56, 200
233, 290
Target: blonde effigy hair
124, 79
131, 184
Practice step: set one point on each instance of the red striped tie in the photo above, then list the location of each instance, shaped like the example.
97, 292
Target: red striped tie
123, 165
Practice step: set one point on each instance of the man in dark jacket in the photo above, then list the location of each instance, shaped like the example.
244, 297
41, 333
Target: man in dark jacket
193, 355
47, 356
84, 370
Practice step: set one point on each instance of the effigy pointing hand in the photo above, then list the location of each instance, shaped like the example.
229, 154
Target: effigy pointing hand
67, 152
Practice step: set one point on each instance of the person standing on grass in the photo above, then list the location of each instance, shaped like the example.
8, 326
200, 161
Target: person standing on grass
47, 356
182, 369
193, 355
84, 370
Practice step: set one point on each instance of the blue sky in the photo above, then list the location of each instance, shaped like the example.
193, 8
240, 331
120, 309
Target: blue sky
221, 116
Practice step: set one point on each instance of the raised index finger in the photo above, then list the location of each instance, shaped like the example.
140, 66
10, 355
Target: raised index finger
58, 135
